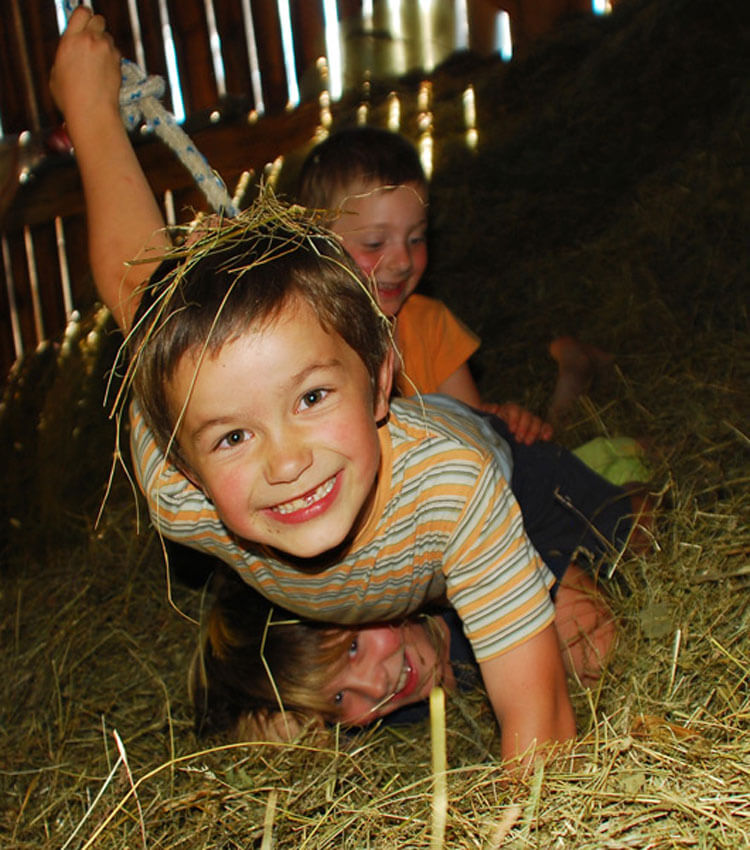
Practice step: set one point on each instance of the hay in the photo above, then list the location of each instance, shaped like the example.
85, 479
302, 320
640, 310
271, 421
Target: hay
638, 248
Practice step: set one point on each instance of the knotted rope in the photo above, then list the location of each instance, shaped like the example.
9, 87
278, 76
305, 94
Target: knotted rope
139, 101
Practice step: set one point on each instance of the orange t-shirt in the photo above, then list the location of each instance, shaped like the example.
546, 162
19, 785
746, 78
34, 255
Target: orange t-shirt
433, 344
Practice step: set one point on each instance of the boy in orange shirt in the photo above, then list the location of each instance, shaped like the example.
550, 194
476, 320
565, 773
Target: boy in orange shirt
373, 183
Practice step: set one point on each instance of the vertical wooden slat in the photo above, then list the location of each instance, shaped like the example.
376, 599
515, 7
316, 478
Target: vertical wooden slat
118, 24
42, 38
12, 306
36, 301
62, 261
14, 262
153, 44
51, 292
309, 35
231, 26
216, 46
11, 90
270, 54
82, 285
190, 34
15, 20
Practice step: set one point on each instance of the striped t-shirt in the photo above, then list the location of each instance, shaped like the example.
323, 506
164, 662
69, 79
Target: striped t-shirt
443, 522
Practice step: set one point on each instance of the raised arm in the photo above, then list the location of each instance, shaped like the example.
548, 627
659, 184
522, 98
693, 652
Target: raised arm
124, 220
529, 695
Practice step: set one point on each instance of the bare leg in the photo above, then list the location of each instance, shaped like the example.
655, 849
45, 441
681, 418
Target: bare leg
585, 626
577, 365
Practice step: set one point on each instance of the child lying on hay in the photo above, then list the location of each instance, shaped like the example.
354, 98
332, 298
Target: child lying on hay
261, 672
254, 656
262, 367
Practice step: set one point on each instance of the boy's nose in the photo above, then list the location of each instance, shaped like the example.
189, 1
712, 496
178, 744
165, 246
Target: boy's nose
287, 456
400, 260
369, 681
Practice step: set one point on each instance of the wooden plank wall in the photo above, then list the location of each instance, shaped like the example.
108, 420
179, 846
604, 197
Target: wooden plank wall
43, 267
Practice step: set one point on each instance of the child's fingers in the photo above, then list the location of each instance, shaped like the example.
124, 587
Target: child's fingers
79, 19
83, 18
97, 24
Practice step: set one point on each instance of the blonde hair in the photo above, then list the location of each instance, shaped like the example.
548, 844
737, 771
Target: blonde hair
256, 660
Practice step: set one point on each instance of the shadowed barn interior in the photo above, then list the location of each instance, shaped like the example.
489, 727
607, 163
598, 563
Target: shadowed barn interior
589, 177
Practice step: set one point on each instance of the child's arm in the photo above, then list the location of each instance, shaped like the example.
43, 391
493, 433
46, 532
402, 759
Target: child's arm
124, 220
525, 426
529, 695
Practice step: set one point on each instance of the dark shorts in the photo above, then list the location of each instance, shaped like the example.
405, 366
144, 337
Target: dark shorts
570, 513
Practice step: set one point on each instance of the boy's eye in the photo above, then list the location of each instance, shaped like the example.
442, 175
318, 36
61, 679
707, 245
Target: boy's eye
312, 397
339, 698
353, 647
233, 438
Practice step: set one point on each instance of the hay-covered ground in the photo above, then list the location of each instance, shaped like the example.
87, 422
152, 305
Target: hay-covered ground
609, 199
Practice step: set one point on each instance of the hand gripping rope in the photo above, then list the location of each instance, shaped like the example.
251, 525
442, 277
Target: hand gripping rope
139, 101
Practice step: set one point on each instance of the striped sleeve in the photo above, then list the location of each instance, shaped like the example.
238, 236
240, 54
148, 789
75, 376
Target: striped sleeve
495, 579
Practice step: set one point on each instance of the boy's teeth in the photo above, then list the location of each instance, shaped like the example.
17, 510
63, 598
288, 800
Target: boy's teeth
305, 501
403, 678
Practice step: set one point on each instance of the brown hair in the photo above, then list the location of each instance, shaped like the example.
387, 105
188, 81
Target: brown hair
238, 276
358, 155
256, 658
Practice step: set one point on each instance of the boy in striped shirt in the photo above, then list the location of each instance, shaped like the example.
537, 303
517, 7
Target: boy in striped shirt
263, 368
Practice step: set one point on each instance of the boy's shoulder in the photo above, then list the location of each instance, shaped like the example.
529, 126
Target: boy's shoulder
440, 427
423, 309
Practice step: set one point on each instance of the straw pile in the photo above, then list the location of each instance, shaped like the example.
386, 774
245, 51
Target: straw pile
609, 198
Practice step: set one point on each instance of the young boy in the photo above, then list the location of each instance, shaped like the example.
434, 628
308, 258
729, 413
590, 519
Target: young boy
373, 182
264, 373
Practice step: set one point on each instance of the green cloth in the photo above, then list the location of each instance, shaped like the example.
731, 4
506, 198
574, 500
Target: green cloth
618, 459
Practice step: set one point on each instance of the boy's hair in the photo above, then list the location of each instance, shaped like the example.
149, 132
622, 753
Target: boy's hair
256, 657
359, 155
240, 275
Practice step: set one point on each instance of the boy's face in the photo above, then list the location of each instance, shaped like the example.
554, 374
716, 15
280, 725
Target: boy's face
384, 229
388, 667
280, 432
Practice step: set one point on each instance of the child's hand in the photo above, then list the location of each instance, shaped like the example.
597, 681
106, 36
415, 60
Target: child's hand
525, 426
86, 75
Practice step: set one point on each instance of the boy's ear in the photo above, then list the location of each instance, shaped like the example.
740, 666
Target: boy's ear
190, 475
384, 386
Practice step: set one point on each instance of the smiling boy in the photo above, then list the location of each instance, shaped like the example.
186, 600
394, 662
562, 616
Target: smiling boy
288, 456
291, 466
263, 371
373, 183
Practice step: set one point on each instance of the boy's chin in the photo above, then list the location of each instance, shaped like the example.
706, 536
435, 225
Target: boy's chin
311, 561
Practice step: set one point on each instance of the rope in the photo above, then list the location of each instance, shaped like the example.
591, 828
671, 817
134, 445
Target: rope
139, 101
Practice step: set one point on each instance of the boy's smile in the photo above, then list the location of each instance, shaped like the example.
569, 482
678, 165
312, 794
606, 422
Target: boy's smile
280, 432
388, 667
384, 230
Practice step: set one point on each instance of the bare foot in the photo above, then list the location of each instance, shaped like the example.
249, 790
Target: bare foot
577, 365
585, 625
644, 506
